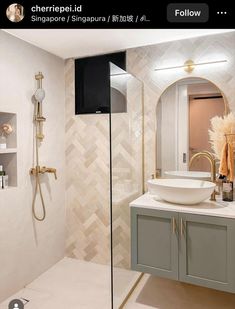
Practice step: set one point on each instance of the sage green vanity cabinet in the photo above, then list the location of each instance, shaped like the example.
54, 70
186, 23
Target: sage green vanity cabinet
207, 251
154, 242
197, 249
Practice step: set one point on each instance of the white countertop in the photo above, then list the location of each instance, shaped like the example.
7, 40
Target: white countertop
209, 208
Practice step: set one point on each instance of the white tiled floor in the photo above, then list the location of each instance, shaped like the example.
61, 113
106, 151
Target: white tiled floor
70, 284
75, 284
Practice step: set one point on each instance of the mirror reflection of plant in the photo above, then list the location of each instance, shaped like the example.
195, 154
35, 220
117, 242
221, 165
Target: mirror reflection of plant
219, 127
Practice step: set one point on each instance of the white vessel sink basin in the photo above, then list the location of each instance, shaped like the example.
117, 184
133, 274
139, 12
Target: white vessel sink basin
188, 174
181, 191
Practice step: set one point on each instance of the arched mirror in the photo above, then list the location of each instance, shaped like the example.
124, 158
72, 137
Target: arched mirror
184, 112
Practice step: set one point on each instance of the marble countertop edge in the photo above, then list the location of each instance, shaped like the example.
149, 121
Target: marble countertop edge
207, 207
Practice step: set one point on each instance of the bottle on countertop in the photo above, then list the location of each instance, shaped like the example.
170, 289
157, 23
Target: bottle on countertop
227, 190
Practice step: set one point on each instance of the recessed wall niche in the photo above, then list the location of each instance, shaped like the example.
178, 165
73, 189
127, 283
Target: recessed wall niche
8, 156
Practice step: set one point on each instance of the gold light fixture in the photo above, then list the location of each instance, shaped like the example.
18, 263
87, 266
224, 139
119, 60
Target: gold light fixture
189, 65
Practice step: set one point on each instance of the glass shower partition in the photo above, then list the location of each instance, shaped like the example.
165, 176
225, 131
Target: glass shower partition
126, 148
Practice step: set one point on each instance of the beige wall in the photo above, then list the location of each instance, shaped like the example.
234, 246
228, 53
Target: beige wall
28, 248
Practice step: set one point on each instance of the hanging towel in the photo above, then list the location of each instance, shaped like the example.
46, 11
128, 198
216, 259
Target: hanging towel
230, 163
223, 168
227, 162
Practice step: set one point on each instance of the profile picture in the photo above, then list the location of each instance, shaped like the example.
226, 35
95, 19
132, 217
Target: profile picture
15, 12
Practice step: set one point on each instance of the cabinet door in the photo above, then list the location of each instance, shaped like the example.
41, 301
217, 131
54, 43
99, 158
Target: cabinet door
207, 251
154, 242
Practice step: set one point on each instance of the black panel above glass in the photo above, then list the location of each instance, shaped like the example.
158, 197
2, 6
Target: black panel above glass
92, 82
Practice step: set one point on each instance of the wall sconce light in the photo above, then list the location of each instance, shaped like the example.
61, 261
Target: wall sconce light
189, 65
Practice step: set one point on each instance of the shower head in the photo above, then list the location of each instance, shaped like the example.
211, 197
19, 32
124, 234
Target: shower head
39, 95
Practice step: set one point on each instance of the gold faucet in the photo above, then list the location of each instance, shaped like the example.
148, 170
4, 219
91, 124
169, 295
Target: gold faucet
157, 174
42, 170
211, 159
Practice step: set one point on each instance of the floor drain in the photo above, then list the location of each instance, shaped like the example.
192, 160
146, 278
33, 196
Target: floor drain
16, 304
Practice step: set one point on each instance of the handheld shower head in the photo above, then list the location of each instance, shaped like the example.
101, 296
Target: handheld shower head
39, 95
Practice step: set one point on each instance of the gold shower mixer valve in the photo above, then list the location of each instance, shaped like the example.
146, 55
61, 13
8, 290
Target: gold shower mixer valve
40, 118
42, 170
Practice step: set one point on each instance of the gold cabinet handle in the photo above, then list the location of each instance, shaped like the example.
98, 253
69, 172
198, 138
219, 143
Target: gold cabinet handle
173, 225
181, 226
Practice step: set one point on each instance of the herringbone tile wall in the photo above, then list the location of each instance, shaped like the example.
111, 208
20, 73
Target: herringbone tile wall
87, 180
87, 176
127, 169
87, 143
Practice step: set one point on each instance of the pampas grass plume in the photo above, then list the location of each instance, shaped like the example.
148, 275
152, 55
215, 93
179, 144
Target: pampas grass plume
219, 127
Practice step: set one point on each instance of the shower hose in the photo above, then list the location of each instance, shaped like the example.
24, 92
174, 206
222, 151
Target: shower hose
38, 184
